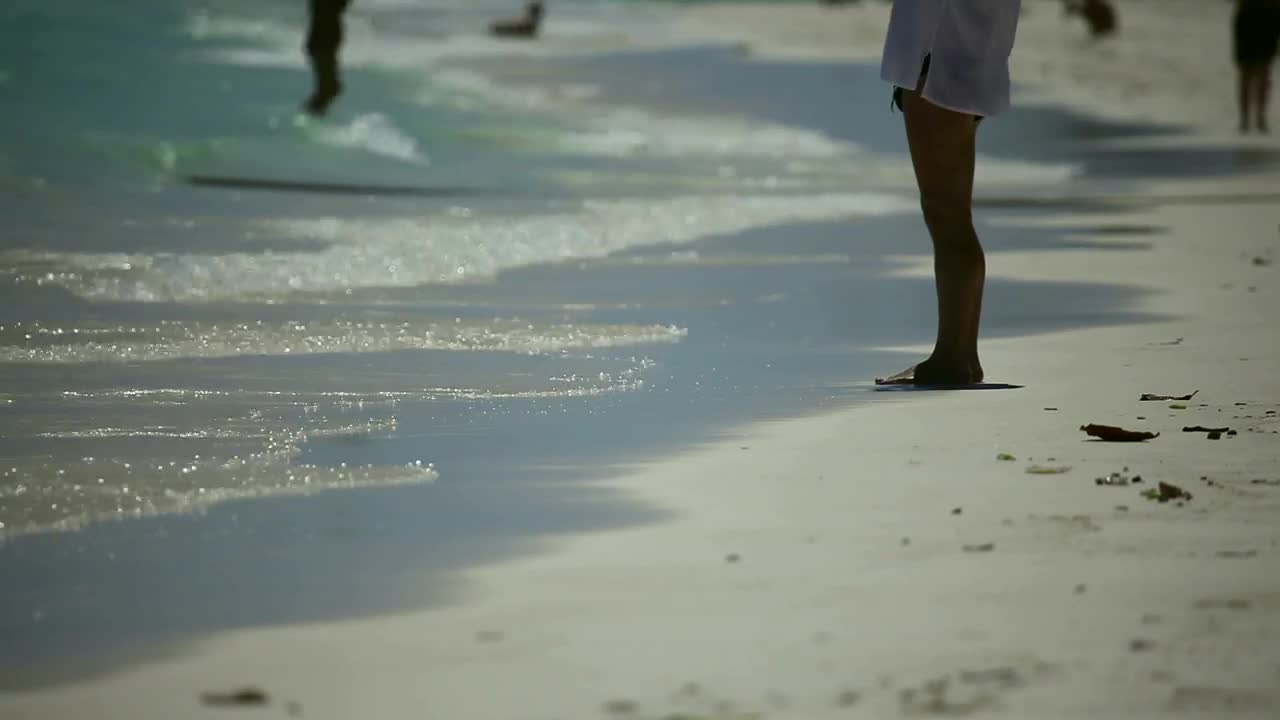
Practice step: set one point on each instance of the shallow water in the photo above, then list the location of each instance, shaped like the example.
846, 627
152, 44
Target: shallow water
204, 290
137, 302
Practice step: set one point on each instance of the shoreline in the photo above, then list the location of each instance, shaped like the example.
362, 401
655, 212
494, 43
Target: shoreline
650, 612
748, 593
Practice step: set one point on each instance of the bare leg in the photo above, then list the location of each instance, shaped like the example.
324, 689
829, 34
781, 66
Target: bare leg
1245, 90
324, 66
942, 144
1263, 96
324, 38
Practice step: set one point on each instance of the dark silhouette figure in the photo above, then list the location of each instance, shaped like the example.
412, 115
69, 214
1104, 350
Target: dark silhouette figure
1098, 14
526, 26
324, 38
1256, 36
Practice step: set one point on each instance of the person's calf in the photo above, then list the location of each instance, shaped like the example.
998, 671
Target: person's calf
327, 86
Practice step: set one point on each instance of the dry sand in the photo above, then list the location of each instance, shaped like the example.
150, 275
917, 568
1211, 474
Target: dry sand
880, 561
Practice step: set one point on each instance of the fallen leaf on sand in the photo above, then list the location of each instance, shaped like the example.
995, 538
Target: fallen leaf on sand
1005, 456
1110, 433
238, 698
1177, 406
1047, 469
1164, 492
1151, 396
1201, 428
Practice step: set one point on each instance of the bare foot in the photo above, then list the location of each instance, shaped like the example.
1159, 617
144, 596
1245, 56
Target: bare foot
320, 100
935, 372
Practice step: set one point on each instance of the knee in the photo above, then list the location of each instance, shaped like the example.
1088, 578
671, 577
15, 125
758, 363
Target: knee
950, 224
946, 214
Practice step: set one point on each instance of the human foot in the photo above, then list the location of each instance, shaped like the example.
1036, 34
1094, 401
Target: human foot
935, 372
324, 95
318, 104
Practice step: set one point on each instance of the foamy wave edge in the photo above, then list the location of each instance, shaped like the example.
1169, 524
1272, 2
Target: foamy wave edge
443, 249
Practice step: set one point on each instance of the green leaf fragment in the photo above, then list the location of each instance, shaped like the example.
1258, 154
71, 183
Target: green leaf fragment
1048, 469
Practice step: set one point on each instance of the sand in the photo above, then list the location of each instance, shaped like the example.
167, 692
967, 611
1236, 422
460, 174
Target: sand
880, 561
837, 565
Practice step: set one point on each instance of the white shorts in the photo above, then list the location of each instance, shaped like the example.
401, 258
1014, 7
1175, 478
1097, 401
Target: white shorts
968, 43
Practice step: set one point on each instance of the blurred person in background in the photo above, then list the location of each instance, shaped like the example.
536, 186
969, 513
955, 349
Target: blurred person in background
1257, 33
525, 26
324, 38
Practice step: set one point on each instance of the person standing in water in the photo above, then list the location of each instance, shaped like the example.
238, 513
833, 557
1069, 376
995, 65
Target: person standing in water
1256, 36
948, 61
324, 38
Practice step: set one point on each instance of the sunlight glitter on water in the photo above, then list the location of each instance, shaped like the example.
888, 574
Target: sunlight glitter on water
354, 253
37, 342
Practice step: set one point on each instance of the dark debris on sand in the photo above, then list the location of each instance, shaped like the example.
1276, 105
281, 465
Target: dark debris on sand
244, 697
1111, 433
1165, 492
1117, 479
621, 707
1148, 397
1237, 554
1140, 645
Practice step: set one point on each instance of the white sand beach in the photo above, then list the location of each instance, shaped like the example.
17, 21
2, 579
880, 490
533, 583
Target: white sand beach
880, 560
818, 568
